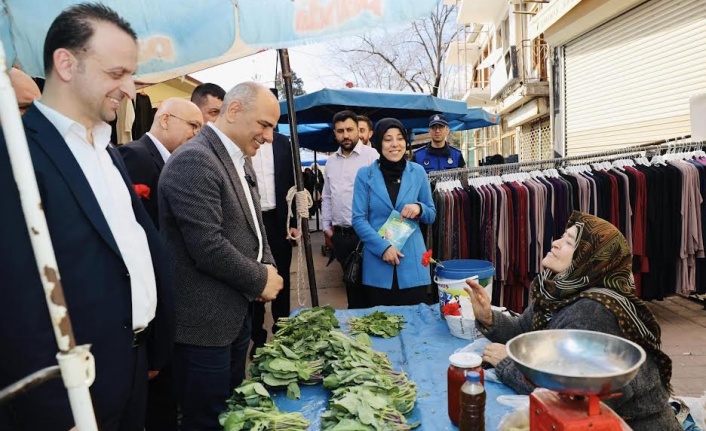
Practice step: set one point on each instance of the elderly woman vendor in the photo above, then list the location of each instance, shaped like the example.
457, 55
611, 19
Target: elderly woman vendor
587, 284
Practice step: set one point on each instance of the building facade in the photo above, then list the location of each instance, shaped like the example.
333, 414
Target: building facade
572, 77
506, 73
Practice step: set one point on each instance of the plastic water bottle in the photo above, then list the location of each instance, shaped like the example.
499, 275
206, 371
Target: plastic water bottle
472, 416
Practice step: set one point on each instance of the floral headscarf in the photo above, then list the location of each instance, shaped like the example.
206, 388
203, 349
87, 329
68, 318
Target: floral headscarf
601, 270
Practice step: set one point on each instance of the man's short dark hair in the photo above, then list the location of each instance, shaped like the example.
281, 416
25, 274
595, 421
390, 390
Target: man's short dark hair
74, 27
344, 115
201, 93
367, 120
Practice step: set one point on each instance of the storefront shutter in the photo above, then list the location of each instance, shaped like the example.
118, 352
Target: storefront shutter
628, 81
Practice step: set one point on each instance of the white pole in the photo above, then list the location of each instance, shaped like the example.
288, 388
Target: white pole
76, 362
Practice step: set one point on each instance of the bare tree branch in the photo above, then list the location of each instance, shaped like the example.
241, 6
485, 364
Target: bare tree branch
411, 58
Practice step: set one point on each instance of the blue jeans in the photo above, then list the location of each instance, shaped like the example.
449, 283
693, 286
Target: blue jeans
203, 379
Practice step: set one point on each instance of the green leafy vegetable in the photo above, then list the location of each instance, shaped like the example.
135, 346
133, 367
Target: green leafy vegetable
251, 408
377, 323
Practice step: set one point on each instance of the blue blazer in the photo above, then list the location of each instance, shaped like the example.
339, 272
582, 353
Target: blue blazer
94, 277
414, 188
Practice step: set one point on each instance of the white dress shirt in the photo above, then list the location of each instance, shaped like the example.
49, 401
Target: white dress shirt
239, 161
113, 197
160, 147
339, 179
264, 165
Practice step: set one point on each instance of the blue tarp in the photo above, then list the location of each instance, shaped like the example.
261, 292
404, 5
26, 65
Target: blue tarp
318, 136
180, 37
422, 350
412, 109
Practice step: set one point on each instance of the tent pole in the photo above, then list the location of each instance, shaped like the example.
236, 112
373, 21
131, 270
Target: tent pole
316, 188
306, 238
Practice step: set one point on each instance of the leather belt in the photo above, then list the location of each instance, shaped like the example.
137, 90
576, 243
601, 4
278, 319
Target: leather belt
345, 230
139, 336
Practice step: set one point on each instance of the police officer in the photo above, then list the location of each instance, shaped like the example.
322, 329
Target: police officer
438, 155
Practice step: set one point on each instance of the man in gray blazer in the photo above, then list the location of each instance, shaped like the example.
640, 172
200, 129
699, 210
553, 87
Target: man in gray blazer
210, 213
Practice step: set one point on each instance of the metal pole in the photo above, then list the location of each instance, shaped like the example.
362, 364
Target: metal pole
299, 178
316, 193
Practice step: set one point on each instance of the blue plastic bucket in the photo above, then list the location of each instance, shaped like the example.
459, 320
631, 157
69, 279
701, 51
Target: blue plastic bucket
452, 278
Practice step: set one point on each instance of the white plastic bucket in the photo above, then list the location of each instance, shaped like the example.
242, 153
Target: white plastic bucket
452, 298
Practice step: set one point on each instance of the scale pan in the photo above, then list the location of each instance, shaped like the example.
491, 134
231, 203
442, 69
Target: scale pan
576, 362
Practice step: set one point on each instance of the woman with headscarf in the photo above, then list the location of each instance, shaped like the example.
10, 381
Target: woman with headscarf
587, 284
392, 276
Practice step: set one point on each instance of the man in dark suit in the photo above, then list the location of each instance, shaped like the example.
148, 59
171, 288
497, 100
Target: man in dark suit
275, 177
108, 252
209, 98
210, 214
176, 121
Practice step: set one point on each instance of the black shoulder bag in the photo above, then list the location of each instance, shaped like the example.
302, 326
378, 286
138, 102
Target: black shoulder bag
353, 265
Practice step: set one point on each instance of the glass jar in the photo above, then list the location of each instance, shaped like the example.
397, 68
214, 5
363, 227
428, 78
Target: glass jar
459, 363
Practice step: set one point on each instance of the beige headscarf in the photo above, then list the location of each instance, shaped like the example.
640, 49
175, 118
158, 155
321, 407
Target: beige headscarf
601, 269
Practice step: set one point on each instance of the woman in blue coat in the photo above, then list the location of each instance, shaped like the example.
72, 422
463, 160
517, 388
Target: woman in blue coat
391, 276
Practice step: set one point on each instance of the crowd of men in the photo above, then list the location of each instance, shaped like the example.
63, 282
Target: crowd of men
168, 246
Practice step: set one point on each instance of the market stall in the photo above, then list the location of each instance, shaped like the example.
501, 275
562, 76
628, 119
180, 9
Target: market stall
422, 350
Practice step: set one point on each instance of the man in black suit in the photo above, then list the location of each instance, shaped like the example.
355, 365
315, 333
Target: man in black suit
176, 121
275, 176
209, 98
118, 293
210, 215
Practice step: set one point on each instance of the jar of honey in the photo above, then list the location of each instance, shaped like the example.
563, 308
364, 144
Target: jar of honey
459, 363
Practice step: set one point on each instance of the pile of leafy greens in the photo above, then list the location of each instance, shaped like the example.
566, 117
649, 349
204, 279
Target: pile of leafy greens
377, 323
252, 408
367, 394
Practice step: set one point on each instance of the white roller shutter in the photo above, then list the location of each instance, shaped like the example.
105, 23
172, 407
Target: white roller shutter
628, 81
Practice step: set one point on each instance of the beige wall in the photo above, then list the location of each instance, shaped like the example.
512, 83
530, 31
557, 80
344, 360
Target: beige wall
585, 16
176, 87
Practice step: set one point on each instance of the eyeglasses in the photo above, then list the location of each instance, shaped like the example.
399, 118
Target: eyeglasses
194, 125
438, 127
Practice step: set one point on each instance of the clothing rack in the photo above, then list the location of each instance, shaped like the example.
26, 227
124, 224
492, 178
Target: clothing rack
641, 150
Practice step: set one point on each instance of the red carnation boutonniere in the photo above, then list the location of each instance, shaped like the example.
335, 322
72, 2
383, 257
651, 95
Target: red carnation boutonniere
142, 190
427, 259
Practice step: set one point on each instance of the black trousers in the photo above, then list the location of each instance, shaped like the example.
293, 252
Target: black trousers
204, 378
395, 295
282, 252
344, 243
134, 416
161, 402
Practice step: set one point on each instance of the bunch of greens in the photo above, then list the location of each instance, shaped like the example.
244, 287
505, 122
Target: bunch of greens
251, 408
367, 391
357, 408
377, 323
358, 365
276, 365
294, 354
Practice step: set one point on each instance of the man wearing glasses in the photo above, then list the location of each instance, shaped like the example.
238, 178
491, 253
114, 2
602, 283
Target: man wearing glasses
438, 155
176, 121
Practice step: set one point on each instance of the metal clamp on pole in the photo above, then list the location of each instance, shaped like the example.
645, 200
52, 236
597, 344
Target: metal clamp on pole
78, 371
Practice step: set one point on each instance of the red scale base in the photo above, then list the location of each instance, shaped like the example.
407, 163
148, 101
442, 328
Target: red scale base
551, 411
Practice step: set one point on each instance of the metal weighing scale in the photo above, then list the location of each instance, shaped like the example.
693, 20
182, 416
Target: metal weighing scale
578, 368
